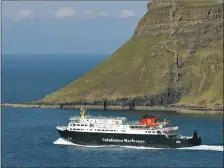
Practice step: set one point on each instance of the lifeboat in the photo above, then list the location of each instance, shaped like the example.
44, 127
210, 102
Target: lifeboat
152, 121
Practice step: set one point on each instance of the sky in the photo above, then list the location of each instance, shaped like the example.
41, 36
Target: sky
72, 27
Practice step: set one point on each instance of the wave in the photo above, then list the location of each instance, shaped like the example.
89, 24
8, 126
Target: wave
205, 147
61, 141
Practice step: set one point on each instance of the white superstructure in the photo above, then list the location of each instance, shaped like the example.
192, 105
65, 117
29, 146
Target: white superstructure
119, 125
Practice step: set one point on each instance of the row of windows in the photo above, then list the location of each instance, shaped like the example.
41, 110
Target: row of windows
86, 125
109, 130
95, 130
76, 129
78, 124
152, 132
137, 126
102, 121
105, 130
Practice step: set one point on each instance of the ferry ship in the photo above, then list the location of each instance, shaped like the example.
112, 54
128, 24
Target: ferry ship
118, 131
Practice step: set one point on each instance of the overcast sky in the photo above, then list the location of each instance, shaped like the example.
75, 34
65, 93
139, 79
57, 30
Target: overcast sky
71, 27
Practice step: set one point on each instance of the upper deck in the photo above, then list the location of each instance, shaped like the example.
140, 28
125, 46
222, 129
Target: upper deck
145, 122
110, 124
98, 117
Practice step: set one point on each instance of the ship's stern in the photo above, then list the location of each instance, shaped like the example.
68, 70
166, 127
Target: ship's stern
195, 140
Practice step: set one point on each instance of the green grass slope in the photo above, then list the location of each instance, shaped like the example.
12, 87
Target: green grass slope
145, 67
130, 71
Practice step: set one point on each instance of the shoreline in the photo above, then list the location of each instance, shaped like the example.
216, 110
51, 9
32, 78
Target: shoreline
137, 108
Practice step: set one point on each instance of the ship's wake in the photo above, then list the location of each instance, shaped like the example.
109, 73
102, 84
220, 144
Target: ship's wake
61, 141
206, 147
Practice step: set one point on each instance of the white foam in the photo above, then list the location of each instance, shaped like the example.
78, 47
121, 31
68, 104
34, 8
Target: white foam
205, 147
61, 141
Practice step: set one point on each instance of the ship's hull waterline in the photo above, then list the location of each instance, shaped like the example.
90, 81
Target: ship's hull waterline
156, 141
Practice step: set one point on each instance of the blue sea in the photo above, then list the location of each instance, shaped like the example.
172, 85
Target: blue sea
29, 137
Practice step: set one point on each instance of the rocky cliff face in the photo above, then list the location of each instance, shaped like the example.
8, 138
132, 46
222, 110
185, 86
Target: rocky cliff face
177, 18
174, 57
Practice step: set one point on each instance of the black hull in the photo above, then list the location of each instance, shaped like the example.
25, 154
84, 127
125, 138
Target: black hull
156, 141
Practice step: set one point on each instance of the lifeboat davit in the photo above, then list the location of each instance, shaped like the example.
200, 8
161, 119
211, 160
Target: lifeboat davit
151, 121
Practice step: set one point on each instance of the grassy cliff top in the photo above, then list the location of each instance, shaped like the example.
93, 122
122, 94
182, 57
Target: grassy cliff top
195, 3
201, 2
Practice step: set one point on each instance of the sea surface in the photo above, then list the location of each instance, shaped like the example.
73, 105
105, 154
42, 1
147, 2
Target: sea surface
29, 137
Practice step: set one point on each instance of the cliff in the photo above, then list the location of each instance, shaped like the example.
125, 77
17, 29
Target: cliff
174, 57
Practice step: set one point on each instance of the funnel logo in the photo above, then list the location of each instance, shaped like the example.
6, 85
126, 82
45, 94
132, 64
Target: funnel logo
148, 121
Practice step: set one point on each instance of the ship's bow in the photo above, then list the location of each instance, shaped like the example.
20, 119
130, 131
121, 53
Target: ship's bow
62, 130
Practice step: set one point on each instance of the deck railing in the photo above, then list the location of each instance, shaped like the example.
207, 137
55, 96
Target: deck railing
98, 117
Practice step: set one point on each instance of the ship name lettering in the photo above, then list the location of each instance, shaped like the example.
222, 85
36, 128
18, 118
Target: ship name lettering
122, 140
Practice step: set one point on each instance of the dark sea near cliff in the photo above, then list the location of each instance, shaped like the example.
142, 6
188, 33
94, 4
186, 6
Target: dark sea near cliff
29, 137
